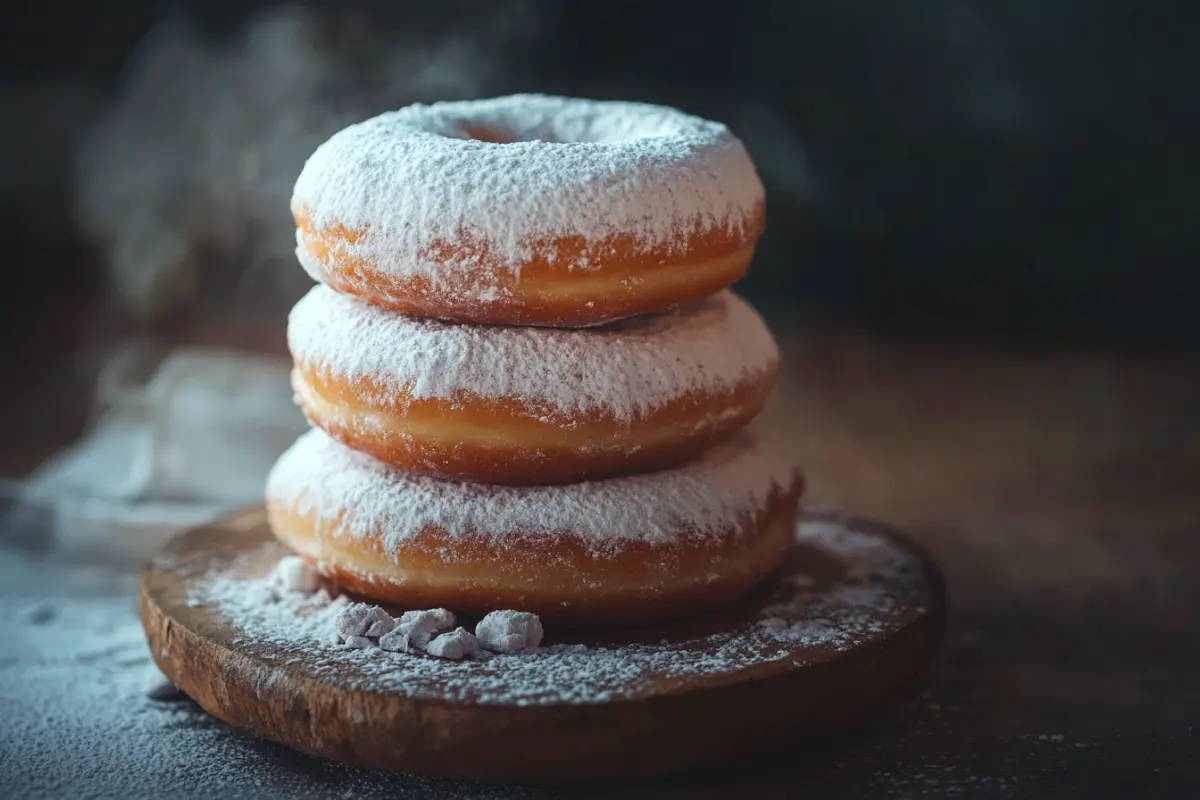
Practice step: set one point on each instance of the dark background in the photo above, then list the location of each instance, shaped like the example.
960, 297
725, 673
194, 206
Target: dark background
1022, 168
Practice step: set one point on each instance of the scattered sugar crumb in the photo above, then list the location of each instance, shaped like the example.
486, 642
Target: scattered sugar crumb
294, 574
510, 632
456, 644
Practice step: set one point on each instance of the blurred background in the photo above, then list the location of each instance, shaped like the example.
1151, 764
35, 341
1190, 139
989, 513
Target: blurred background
1019, 173
1000, 167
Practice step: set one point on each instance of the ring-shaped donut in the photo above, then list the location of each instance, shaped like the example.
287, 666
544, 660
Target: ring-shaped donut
529, 210
530, 405
641, 548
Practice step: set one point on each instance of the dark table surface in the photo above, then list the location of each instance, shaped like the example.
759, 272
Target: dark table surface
1057, 489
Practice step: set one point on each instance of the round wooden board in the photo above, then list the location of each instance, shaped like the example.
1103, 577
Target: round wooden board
714, 688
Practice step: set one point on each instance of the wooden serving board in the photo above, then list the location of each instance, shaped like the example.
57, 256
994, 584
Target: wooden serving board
854, 614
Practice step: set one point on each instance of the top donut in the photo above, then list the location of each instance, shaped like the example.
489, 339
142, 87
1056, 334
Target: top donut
529, 210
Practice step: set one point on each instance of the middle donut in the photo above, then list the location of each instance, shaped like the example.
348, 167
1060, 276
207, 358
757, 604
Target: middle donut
513, 405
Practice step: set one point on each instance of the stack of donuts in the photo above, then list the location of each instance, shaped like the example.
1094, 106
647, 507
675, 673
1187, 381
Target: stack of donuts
527, 377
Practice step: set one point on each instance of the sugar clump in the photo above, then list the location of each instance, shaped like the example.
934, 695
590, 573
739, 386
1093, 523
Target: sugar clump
453, 645
398, 640
434, 619
509, 632
360, 619
294, 575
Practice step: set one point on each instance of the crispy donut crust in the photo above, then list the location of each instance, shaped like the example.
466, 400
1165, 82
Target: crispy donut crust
504, 442
555, 576
626, 281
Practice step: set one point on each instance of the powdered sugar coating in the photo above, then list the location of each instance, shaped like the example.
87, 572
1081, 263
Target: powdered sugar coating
626, 369
411, 179
706, 497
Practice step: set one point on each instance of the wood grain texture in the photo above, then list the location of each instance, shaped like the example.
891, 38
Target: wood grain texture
667, 724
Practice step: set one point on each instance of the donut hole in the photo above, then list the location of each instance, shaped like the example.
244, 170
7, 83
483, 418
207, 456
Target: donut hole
536, 119
565, 129
492, 135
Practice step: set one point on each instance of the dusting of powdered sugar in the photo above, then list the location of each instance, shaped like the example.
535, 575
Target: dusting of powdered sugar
625, 370
729, 484
409, 180
795, 625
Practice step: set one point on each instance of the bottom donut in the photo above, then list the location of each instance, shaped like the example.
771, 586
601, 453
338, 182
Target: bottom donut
634, 549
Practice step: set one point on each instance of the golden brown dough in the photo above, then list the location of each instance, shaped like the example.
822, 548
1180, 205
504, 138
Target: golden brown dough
627, 549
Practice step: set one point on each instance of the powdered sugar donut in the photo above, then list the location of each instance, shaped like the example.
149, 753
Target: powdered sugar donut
529, 210
625, 549
529, 405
